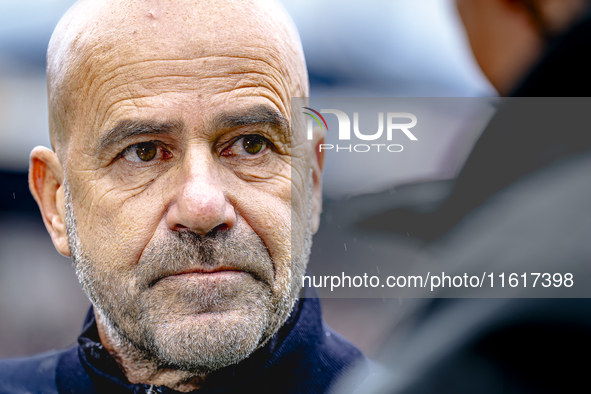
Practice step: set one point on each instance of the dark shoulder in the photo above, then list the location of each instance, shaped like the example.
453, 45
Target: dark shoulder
34, 374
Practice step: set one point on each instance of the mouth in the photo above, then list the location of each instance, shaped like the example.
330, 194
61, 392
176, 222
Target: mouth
214, 272
207, 274
200, 273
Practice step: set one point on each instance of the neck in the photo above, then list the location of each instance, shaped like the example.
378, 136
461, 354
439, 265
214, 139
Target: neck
138, 367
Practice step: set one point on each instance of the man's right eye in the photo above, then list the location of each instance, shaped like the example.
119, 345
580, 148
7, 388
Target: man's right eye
145, 152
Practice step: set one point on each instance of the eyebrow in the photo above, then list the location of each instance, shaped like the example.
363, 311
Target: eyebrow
255, 115
126, 129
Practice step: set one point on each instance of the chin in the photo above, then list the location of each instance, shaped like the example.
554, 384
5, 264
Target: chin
204, 342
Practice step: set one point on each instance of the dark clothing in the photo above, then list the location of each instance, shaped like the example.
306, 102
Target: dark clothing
305, 356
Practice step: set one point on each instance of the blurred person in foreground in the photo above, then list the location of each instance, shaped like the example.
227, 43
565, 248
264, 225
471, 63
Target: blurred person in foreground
521, 203
187, 200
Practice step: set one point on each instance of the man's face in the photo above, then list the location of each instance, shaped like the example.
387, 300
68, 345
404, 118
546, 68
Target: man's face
188, 200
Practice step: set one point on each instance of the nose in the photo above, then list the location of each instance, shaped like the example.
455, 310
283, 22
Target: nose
201, 204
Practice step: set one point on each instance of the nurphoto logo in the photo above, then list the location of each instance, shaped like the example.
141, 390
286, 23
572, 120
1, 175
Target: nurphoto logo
345, 130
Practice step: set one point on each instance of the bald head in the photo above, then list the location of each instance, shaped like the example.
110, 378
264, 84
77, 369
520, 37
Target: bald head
101, 50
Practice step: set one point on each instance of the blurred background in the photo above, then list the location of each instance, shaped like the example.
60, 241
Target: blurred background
395, 48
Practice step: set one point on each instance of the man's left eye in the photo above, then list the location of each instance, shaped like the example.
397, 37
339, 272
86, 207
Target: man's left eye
248, 145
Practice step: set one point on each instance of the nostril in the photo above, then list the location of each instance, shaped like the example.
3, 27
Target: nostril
217, 229
221, 227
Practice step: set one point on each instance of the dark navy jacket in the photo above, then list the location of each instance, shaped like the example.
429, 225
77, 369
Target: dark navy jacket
305, 356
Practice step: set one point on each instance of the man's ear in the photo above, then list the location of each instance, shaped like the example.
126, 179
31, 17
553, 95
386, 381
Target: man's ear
46, 178
317, 164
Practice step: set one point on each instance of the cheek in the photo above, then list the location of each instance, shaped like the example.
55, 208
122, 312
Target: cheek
116, 225
300, 204
267, 211
278, 214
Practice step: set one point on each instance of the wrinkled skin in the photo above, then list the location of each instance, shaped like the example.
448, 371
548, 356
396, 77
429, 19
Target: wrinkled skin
179, 184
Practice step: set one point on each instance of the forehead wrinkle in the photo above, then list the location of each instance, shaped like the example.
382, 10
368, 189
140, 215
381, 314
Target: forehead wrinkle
280, 80
262, 87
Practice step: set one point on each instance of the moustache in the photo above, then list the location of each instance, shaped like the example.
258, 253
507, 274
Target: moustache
184, 251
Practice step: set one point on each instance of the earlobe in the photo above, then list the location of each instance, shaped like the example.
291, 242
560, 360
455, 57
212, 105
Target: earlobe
46, 184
